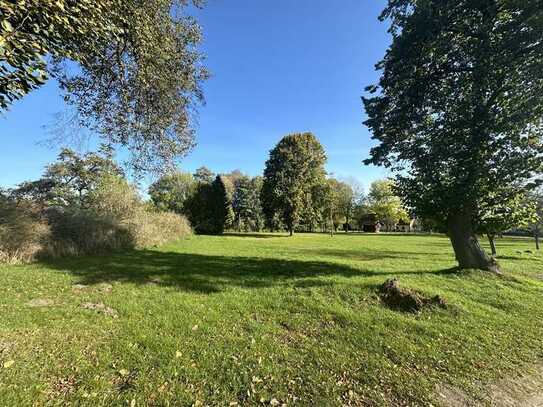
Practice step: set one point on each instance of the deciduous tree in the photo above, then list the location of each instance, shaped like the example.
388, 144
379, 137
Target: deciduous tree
171, 191
293, 171
388, 207
457, 110
70, 179
515, 212
138, 71
204, 174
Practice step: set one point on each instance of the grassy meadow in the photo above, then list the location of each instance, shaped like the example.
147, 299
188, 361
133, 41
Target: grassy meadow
265, 320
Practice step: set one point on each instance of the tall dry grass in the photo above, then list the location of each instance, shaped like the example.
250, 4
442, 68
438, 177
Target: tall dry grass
116, 219
22, 234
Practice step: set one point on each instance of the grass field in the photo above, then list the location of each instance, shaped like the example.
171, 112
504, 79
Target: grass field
268, 319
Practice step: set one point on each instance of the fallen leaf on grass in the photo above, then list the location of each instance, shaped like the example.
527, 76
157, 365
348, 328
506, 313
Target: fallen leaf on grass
8, 363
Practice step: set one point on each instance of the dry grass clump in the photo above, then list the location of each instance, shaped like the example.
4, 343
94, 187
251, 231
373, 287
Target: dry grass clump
149, 228
22, 233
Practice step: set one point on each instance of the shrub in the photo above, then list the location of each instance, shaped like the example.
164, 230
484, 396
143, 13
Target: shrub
115, 197
22, 234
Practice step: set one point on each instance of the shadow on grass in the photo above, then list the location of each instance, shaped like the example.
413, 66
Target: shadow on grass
255, 235
210, 274
365, 255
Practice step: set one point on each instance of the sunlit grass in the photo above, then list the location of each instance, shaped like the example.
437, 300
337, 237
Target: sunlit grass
265, 318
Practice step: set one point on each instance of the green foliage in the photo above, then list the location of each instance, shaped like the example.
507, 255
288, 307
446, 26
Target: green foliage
204, 174
116, 218
517, 212
535, 200
246, 204
113, 217
339, 202
457, 111
171, 192
293, 174
139, 73
210, 208
383, 202
32, 29
70, 179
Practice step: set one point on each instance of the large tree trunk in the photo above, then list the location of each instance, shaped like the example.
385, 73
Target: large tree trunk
491, 240
467, 249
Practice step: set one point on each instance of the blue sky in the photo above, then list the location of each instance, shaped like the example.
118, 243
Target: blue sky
278, 67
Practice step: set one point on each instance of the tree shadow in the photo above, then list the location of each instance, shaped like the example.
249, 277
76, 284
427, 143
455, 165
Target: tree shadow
255, 235
210, 274
368, 255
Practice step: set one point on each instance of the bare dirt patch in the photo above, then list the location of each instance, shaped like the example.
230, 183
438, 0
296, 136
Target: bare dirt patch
61, 387
523, 391
100, 308
40, 302
404, 299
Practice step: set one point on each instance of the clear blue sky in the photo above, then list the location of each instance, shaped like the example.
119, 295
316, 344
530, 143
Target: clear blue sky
278, 67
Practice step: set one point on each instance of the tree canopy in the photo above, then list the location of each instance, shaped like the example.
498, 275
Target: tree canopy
457, 110
204, 174
138, 70
70, 179
383, 202
292, 176
171, 191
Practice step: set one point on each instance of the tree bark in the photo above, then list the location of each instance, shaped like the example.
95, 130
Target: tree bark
492, 244
536, 236
467, 249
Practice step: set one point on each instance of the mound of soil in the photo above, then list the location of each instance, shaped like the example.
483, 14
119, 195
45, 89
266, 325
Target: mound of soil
406, 300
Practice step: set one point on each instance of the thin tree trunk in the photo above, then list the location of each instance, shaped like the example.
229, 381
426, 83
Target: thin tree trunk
492, 244
536, 236
467, 249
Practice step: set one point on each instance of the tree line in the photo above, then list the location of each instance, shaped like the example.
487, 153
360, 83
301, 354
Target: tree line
295, 194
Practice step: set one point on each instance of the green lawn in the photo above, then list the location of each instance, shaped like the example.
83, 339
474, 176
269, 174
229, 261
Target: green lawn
263, 319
